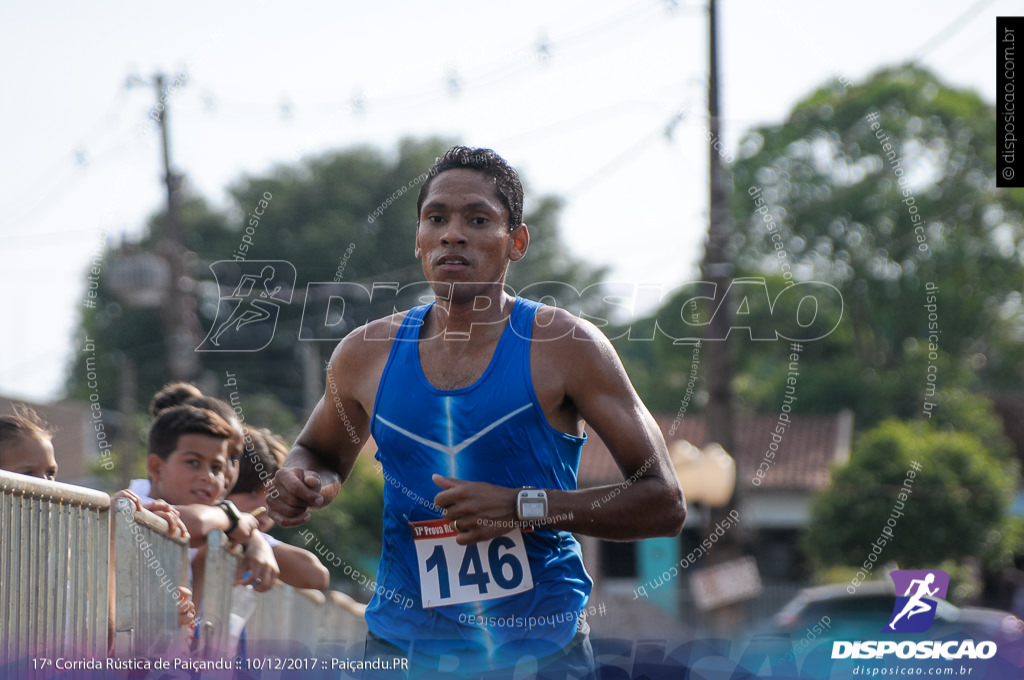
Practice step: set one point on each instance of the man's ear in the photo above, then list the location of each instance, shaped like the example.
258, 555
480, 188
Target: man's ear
519, 243
416, 249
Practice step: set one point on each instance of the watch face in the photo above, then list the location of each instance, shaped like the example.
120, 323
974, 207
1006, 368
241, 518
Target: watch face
531, 509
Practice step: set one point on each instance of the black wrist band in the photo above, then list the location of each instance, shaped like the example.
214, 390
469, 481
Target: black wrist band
233, 516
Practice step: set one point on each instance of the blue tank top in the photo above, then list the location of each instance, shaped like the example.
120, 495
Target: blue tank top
491, 431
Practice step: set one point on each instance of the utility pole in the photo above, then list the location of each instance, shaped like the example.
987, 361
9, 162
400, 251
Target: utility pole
180, 317
717, 265
717, 268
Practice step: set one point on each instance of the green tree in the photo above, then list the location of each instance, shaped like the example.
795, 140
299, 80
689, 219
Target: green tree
955, 507
881, 189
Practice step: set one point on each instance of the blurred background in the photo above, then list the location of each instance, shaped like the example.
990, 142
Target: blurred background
847, 144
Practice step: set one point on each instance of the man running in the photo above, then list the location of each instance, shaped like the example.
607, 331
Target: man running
477, 404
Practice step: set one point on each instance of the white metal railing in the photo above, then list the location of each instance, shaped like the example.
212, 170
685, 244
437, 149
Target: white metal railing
286, 619
344, 620
148, 566
296, 622
222, 564
292, 622
54, 559
56, 566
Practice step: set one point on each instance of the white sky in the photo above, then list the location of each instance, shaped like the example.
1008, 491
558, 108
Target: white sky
585, 124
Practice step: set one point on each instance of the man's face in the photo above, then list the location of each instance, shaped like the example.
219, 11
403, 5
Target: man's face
194, 472
463, 234
32, 456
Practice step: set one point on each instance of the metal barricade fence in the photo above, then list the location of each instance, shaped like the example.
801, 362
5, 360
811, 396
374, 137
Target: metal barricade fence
54, 559
149, 566
215, 607
344, 620
294, 621
286, 618
55, 581
307, 611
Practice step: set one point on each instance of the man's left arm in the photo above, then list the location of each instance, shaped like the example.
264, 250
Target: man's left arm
647, 503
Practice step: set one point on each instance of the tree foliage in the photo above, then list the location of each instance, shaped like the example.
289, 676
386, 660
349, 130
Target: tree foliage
885, 190
880, 189
954, 506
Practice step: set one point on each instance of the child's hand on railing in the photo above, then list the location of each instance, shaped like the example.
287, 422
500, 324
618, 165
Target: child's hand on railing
260, 564
170, 514
167, 512
186, 608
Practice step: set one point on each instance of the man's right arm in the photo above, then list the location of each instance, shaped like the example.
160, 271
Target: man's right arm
325, 451
311, 476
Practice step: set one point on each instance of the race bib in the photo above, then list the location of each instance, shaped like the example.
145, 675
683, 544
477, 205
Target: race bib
455, 574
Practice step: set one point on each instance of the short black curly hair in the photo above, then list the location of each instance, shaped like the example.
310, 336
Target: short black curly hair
505, 178
176, 421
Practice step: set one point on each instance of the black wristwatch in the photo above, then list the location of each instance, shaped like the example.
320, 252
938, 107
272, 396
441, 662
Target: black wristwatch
234, 516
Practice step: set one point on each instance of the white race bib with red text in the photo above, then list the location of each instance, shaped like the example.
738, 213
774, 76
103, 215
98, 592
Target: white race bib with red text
455, 574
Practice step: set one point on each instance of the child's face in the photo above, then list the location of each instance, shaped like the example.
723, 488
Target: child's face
193, 473
235, 448
32, 456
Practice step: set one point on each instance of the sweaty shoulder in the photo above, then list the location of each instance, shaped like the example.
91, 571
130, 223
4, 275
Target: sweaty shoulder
556, 325
359, 359
569, 359
368, 342
562, 340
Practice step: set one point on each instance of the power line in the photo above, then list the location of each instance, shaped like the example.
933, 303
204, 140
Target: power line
517, 64
104, 124
574, 123
617, 163
949, 31
43, 193
47, 196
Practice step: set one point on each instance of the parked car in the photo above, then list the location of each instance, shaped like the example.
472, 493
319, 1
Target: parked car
827, 613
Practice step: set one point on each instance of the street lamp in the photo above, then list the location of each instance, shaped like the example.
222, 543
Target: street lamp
139, 279
708, 475
708, 478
